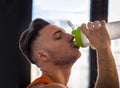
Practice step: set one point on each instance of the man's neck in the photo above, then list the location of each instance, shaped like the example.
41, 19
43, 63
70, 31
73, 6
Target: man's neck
58, 74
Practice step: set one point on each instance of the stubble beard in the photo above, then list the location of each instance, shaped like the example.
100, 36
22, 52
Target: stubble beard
66, 59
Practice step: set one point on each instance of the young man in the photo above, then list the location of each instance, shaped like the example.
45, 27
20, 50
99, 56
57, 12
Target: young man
52, 50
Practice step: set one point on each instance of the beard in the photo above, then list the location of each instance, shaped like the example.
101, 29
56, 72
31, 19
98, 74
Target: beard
59, 61
59, 58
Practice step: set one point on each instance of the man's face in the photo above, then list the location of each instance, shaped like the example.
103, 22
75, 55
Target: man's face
59, 45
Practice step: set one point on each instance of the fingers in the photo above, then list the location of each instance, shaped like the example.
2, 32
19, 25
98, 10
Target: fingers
103, 24
93, 25
84, 28
96, 25
90, 25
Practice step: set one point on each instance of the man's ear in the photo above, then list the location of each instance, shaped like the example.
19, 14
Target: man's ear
41, 55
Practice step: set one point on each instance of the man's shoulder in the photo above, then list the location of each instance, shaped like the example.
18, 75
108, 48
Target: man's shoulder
50, 85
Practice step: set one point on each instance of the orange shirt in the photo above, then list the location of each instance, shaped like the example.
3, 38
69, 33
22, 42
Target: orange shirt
39, 80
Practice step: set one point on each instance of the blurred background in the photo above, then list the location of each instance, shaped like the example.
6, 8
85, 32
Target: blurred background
15, 16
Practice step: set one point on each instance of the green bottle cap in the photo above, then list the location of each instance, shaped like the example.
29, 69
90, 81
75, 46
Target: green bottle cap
78, 37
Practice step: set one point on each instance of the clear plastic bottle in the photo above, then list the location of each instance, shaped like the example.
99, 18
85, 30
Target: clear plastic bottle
113, 29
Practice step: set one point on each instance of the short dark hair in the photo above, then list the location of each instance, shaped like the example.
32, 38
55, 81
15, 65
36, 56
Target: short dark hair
29, 35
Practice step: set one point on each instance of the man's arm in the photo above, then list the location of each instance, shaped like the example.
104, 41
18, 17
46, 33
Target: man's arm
107, 73
100, 40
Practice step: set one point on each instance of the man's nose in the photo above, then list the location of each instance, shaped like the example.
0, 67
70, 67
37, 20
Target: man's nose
70, 37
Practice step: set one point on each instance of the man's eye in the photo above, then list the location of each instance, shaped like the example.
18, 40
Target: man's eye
58, 36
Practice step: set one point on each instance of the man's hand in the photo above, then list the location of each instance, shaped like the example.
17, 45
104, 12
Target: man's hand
97, 34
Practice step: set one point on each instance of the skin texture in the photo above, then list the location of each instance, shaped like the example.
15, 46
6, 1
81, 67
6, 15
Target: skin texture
55, 54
